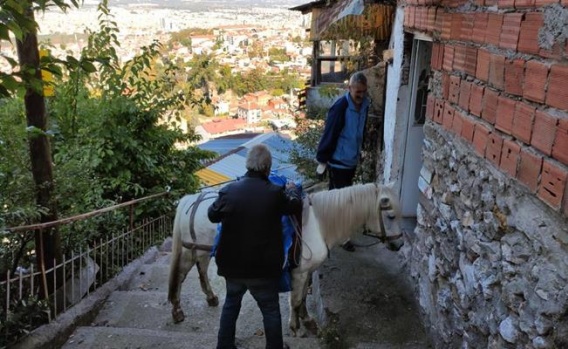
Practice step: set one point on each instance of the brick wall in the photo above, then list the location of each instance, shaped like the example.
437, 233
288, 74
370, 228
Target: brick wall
504, 79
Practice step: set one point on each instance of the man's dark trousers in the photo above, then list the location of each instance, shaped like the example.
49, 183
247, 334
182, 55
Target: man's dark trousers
340, 178
265, 293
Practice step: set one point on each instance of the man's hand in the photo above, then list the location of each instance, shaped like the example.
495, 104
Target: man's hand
320, 171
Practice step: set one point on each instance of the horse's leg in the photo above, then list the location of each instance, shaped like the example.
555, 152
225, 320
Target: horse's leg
185, 263
202, 267
299, 286
303, 314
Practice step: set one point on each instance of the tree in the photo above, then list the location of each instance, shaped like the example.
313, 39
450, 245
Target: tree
20, 21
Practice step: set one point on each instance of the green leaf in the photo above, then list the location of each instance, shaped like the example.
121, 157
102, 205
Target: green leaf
88, 67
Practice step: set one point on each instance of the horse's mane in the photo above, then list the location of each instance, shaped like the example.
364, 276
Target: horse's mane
340, 212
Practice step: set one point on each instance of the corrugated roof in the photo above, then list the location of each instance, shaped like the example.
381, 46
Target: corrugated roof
233, 166
210, 177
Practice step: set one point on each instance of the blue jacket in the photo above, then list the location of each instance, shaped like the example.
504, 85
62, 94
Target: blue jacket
342, 137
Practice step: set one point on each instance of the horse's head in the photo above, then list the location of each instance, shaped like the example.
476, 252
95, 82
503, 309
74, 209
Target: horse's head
387, 220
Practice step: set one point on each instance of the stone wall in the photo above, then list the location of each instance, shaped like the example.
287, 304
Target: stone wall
489, 259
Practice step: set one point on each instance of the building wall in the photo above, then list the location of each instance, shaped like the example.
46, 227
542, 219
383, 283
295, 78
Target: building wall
490, 255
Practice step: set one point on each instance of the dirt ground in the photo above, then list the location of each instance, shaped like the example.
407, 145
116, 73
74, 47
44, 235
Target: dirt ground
368, 302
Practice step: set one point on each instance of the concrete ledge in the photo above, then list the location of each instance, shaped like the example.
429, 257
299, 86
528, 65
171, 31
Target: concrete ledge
55, 334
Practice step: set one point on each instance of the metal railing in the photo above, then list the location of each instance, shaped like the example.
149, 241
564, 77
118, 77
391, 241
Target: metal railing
81, 272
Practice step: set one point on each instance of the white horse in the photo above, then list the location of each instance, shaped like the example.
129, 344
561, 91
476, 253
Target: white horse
329, 218
192, 236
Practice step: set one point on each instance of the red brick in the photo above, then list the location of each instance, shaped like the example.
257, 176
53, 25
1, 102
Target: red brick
541, 3
448, 116
514, 76
476, 99
454, 89
446, 86
437, 50
505, 3
459, 58
411, 16
552, 184
470, 60
529, 169
439, 111
457, 20
524, 3
479, 27
431, 22
482, 70
510, 32
468, 126
467, 27
490, 2
419, 18
457, 123
510, 157
494, 147
439, 22
528, 36
536, 75
544, 130
523, 122
490, 103
465, 91
557, 95
448, 58
505, 115
560, 146
497, 71
430, 107
446, 25
494, 25
480, 137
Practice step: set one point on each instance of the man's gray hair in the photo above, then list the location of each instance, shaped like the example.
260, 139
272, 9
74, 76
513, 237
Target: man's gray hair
358, 78
259, 159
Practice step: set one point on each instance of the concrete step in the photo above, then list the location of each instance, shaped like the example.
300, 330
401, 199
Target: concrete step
113, 337
139, 315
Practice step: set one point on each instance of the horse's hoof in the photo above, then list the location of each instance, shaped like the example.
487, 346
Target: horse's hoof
213, 302
311, 326
178, 316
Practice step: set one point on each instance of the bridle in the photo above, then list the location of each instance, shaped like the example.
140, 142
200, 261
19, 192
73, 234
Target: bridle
384, 205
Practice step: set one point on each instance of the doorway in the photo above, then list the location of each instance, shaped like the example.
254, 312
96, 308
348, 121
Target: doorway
420, 73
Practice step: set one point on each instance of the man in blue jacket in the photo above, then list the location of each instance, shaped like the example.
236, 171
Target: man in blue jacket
250, 252
340, 145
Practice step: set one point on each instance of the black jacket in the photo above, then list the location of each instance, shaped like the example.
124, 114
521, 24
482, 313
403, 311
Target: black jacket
250, 211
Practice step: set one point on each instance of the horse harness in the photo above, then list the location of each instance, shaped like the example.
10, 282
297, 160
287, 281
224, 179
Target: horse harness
193, 246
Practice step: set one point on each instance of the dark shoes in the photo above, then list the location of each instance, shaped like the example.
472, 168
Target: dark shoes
348, 246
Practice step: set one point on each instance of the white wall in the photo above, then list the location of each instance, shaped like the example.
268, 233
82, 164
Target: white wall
396, 106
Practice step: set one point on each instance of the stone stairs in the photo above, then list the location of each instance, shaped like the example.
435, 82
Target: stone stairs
138, 315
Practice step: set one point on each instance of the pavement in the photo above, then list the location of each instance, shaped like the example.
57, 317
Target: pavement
360, 299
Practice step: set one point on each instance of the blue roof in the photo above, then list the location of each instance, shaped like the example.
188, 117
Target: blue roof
233, 165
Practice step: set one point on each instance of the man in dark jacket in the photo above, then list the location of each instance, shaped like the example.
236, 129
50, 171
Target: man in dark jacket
340, 145
250, 253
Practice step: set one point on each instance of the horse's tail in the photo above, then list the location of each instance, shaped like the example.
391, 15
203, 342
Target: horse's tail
176, 255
